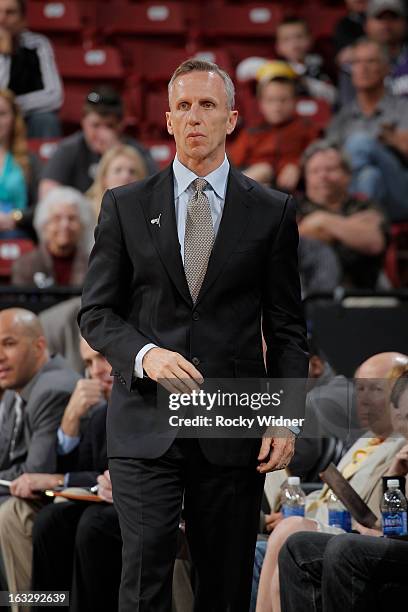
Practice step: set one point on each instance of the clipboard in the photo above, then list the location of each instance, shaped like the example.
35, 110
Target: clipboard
348, 496
75, 494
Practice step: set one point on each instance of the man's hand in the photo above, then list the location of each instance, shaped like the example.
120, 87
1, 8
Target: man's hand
288, 177
105, 487
27, 485
277, 451
367, 531
272, 520
6, 42
7, 222
316, 226
172, 370
399, 466
262, 172
87, 393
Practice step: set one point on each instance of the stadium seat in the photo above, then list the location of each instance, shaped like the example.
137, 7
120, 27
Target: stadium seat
156, 105
250, 20
43, 147
54, 16
317, 109
10, 250
162, 151
322, 21
102, 63
147, 18
396, 258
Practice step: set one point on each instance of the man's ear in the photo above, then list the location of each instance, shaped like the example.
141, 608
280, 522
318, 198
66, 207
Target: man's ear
232, 121
168, 121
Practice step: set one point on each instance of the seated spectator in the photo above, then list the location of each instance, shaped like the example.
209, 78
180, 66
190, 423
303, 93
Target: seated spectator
387, 24
353, 226
64, 222
293, 45
321, 571
370, 458
82, 457
76, 159
38, 388
373, 130
270, 153
19, 173
119, 166
28, 68
61, 330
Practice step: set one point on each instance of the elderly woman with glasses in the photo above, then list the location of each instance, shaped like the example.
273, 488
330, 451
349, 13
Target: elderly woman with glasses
64, 221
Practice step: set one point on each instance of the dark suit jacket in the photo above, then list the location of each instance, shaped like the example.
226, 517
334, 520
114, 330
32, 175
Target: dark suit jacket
46, 397
89, 458
136, 292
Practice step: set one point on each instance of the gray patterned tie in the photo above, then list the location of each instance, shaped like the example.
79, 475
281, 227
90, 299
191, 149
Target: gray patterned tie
198, 239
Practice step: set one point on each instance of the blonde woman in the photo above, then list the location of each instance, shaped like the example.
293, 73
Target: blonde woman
119, 166
17, 167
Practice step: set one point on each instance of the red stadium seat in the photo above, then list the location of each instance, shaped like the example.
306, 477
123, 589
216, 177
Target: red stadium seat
322, 21
162, 151
54, 16
396, 258
317, 109
250, 20
102, 63
43, 147
156, 105
147, 18
10, 250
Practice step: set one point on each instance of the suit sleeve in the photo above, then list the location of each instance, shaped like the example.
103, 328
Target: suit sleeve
42, 449
106, 294
284, 326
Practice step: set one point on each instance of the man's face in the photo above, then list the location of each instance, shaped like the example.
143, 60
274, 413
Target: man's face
100, 131
63, 228
277, 102
97, 367
326, 179
19, 354
368, 67
386, 28
399, 415
199, 118
293, 42
11, 18
372, 404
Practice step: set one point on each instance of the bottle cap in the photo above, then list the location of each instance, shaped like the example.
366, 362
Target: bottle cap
393, 483
295, 481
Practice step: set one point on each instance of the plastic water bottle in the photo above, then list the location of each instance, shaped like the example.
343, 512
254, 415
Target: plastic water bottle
293, 498
338, 515
394, 510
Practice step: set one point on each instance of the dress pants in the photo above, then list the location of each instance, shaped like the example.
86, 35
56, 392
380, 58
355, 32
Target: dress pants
342, 573
221, 509
78, 543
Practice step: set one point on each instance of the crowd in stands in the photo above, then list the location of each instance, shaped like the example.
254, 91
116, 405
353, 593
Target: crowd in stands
332, 128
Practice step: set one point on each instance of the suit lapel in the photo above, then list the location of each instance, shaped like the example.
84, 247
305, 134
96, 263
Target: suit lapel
233, 223
160, 207
6, 427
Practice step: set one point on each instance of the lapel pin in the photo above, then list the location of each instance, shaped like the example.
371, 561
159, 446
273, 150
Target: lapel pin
157, 221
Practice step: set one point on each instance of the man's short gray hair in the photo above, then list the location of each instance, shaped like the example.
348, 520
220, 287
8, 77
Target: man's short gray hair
66, 195
199, 65
363, 41
321, 146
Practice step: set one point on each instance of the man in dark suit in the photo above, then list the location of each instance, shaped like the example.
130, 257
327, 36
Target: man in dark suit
187, 266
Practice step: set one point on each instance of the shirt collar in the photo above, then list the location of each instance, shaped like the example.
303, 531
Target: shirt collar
183, 177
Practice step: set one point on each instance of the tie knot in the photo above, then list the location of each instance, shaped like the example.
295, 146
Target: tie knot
200, 184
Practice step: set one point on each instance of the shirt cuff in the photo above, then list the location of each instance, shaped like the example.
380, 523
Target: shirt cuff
66, 480
295, 430
139, 359
66, 443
